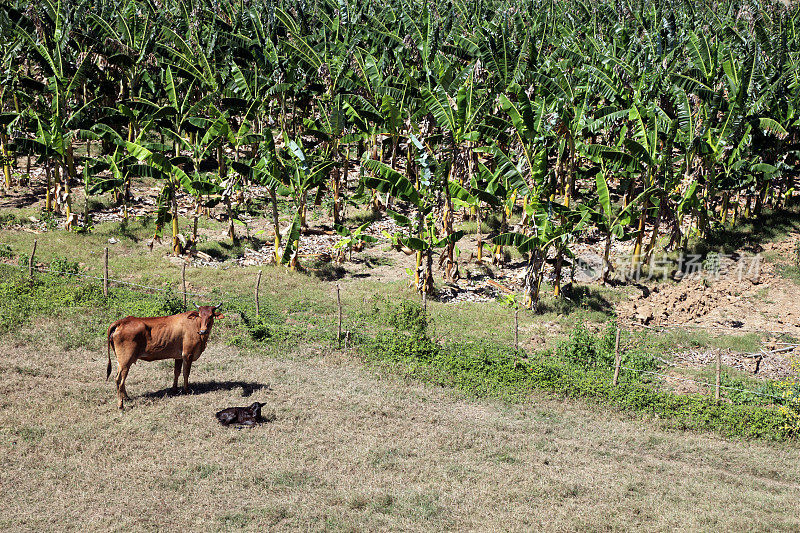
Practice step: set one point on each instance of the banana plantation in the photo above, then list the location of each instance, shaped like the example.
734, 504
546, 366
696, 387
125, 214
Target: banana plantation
648, 121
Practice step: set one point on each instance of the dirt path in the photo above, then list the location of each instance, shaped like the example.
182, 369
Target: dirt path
351, 450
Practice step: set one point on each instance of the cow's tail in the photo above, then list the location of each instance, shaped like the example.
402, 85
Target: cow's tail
109, 346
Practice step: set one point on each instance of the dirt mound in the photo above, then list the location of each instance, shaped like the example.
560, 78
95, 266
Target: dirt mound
722, 295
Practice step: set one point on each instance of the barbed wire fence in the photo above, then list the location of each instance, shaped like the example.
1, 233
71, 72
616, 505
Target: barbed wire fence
32, 268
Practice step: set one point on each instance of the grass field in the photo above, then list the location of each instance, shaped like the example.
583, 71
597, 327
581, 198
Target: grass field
350, 449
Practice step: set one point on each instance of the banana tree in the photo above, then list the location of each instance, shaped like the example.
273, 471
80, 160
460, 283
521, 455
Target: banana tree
60, 113
536, 244
351, 239
159, 166
459, 117
418, 237
610, 219
304, 171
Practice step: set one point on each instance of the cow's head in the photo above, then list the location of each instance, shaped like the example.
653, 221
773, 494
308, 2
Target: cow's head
206, 315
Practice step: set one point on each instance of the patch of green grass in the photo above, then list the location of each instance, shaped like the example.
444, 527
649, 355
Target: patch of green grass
667, 342
790, 272
224, 250
8, 219
580, 367
203, 471
22, 299
470, 227
30, 434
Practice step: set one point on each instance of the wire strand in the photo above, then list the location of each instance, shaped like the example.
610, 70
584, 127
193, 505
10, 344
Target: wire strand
89, 276
667, 376
700, 326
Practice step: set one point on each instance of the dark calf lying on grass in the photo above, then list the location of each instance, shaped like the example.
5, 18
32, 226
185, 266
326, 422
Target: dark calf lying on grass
241, 416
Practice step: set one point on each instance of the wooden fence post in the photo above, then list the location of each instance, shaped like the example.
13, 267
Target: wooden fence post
258, 284
105, 272
339, 328
617, 359
719, 371
32, 259
183, 284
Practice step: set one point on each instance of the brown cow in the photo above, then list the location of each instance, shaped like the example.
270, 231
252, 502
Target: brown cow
182, 337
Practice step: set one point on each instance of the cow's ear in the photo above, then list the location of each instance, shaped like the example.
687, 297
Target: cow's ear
194, 314
219, 315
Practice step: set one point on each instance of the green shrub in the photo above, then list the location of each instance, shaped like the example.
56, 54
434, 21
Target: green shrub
585, 350
7, 220
62, 265
407, 316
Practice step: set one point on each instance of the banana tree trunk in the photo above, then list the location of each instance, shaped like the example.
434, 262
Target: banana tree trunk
229, 210
532, 282
606, 262
336, 195
276, 225
6, 159
480, 234
725, 207
301, 210
70, 175
57, 187
637, 248
48, 199
427, 281
654, 235
570, 190
195, 220
176, 244
557, 273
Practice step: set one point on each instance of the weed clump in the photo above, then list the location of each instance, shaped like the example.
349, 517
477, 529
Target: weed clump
408, 317
589, 351
62, 265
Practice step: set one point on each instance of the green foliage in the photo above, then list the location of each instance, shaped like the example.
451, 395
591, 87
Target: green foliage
581, 368
7, 220
62, 265
6, 252
591, 351
268, 325
407, 316
585, 350
48, 219
22, 299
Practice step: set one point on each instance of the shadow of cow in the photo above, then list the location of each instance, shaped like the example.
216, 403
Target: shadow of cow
204, 387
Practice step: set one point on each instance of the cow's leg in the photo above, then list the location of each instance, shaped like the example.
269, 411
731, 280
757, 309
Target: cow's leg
187, 367
178, 365
120, 381
121, 377
121, 394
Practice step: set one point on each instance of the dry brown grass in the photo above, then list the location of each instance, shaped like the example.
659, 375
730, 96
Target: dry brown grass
354, 450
